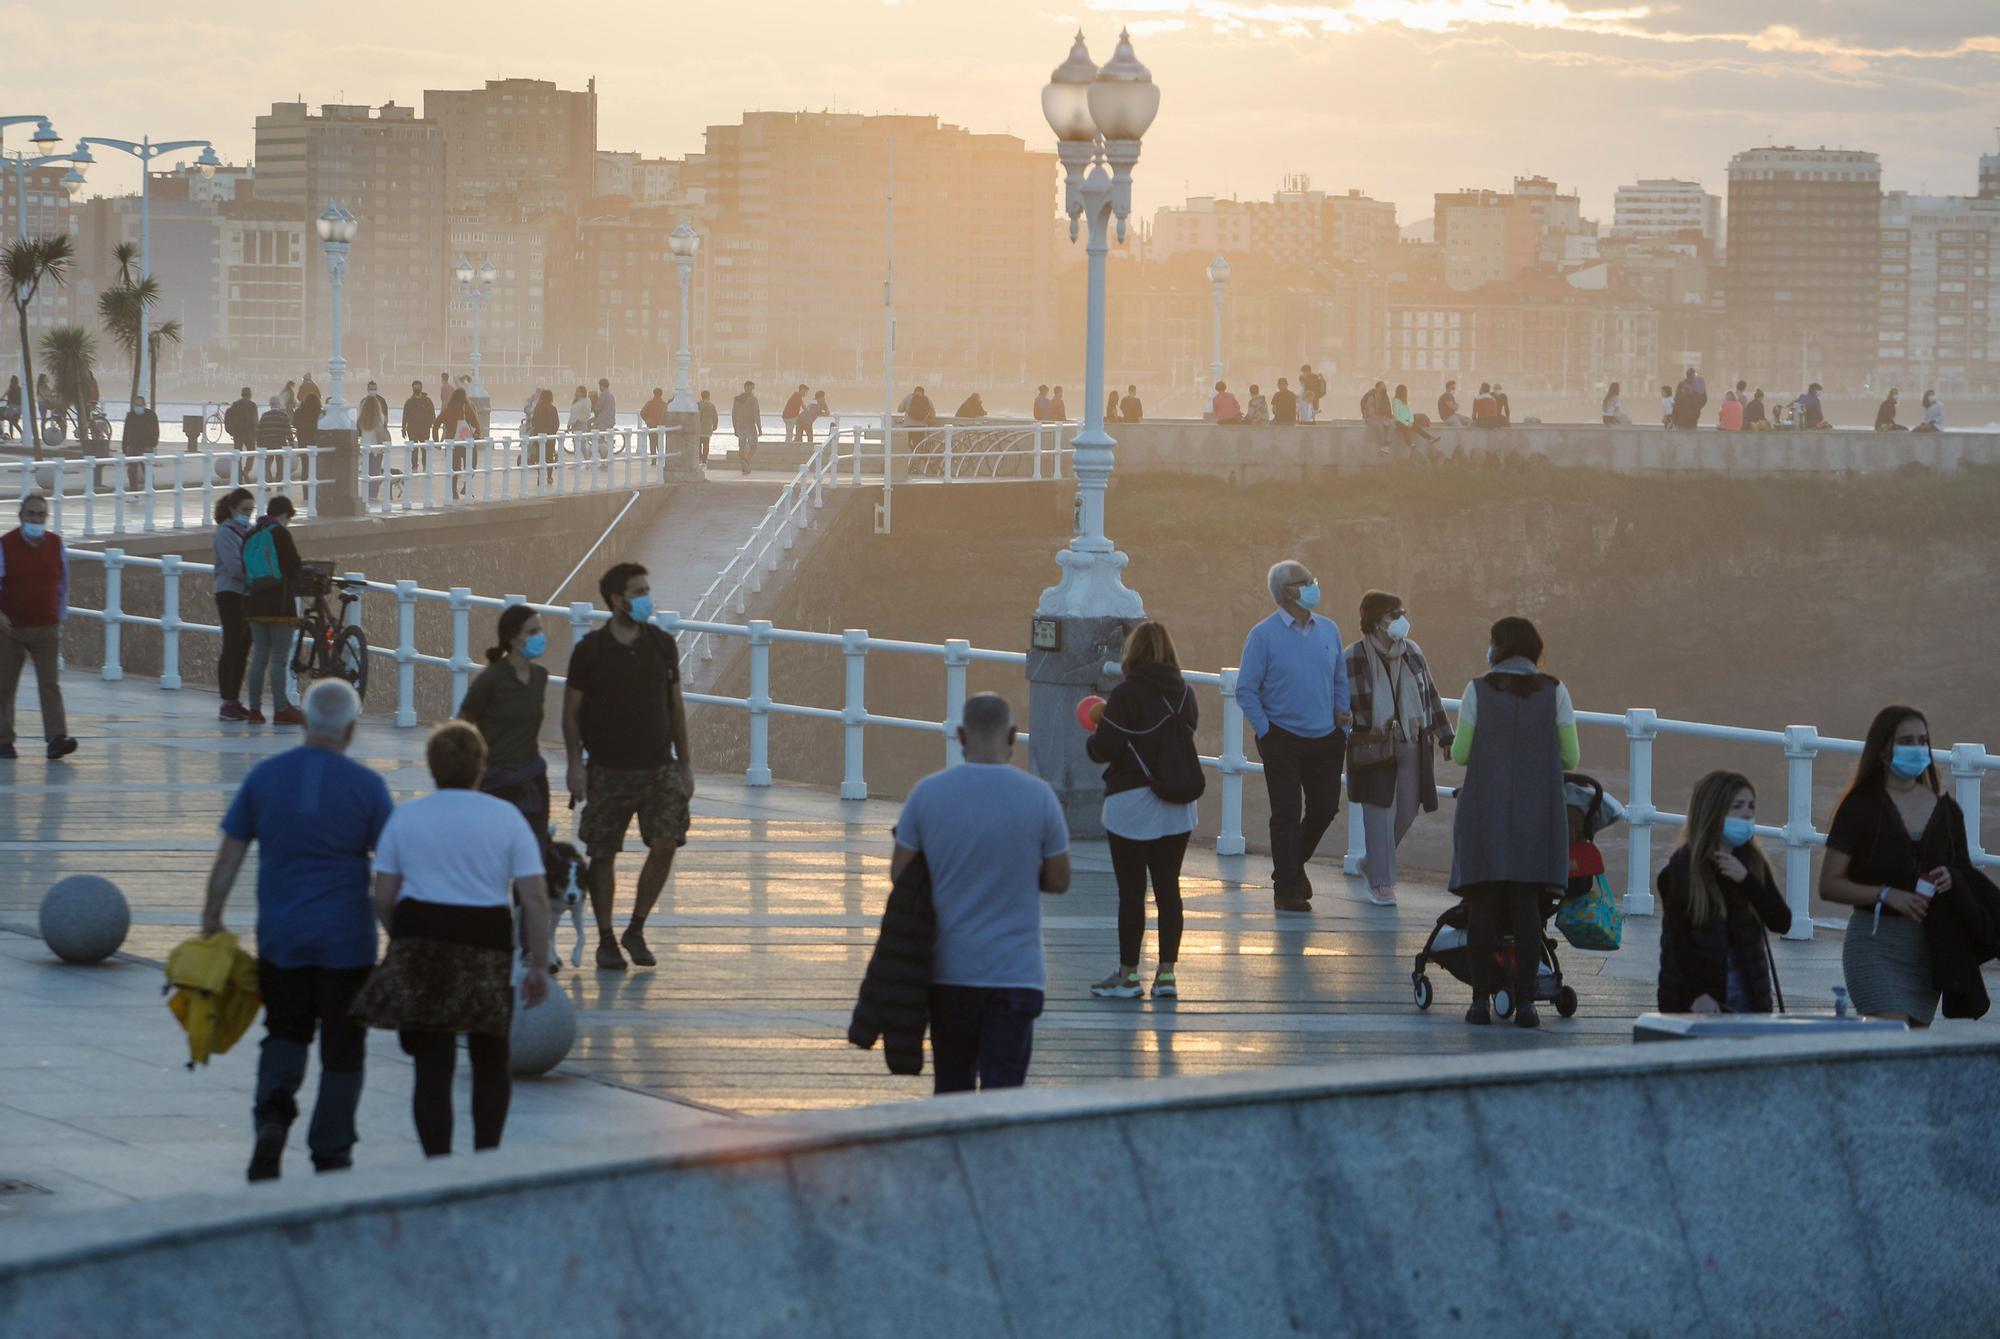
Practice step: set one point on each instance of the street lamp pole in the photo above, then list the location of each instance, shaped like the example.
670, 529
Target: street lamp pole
1218, 279
684, 243
477, 289
146, 151
336, 228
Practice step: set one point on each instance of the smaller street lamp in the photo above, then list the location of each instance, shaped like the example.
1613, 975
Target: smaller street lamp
476, 286
684, 243
1218, 279
336, 228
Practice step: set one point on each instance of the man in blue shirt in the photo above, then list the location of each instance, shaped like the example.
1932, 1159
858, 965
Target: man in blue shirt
994, 840
315, 815
1292, 686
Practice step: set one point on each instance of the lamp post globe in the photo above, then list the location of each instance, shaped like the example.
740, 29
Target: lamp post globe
207, 163
1123, 98
684, 241
1066, 97
45, 137
72, 182
464, 271
487, 274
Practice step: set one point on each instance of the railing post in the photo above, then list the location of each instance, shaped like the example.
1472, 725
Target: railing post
114, 613
1801, 747
207, 485
170, 620
117, 500
947, 452
461, 642
406, 652
1641, 727
1229, 837
854, 460
854, 712
146, 480
759, 771
957, 656
1038, 450
180, 487
312, 480
1966, 774
579, 621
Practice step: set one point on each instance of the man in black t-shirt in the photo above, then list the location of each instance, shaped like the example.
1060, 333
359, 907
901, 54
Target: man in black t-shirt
625, 728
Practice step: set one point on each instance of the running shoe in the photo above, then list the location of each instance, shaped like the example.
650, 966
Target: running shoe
1163, 984
1119, 986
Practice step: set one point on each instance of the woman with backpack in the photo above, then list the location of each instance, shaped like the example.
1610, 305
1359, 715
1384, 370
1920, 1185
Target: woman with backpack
270, 566
1398, 718
506, 702
1717, 898
1152, 778
234, 515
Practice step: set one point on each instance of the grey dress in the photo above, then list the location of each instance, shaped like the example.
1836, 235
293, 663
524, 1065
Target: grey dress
1510, 826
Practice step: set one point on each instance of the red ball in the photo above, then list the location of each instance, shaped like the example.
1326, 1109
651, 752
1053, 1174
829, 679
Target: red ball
1089, 712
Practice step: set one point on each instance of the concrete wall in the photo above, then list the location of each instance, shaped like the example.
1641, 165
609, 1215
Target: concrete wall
1831, 1188
1261, 454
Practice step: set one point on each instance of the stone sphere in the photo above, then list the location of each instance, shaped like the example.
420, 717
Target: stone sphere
84, 918
540, 1037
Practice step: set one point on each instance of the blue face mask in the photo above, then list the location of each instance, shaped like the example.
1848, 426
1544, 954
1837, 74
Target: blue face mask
1910, 760
1489, 657
535, 646
33, 530
1309, 596
1738, 831
641, 610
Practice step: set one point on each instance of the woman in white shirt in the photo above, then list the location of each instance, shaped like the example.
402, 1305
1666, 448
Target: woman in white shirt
448, 870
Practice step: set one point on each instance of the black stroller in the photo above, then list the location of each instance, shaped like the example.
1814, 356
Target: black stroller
1590, 812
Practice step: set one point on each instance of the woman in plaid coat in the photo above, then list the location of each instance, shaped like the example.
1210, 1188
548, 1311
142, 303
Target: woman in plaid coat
1393, 693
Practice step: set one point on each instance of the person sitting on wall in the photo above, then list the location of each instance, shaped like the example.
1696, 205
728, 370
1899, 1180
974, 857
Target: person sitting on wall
1224, 407
1885, 413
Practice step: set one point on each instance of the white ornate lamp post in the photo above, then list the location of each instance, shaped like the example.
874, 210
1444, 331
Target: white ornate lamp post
336, 229
146, 151
1218, 279
476, 287
684, 243
1099, 116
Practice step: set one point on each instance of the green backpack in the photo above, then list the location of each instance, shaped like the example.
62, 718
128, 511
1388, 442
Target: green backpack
261, 569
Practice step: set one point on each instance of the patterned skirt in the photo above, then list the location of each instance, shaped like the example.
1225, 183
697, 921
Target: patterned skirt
448, 969
1888, 970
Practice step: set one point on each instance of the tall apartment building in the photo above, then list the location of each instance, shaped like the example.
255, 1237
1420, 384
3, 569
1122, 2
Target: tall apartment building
1483, 236
796, 214
1989, 176
264, 253
387, 165
1804, 248
528, 254
521, 142
1936, 325
1666, 208
617, 304
1297, 227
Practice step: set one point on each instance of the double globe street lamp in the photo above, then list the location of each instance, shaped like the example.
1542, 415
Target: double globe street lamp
476, 288
337, 228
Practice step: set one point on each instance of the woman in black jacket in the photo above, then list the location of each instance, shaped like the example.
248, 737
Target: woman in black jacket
1150, 712
1717, 898
273, 614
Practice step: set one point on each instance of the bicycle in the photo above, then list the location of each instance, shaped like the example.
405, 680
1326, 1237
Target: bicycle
329, 647
211, 421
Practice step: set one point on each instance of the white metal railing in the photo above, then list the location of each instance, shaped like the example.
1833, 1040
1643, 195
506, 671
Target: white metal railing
766, 545
401, 477
1967, 763
93, 496
958, 452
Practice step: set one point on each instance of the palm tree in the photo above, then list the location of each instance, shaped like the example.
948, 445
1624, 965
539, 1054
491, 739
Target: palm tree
165, 334
26, 263
70, 351
123, 306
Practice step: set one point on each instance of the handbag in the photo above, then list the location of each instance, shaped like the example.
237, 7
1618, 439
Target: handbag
1592, 920
1372, 747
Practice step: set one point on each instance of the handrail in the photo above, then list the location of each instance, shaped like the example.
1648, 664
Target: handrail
1966, 763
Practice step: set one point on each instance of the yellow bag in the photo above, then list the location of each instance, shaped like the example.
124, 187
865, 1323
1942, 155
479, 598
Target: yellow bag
214, 985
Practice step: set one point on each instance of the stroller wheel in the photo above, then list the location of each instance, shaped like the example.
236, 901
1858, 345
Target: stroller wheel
1566, 1002
1503, 1002
1423, 989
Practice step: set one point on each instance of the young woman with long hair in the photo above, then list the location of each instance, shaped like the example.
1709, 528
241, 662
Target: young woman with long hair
235, 513
506, 703
1150, 712
1717, 898
1894, 841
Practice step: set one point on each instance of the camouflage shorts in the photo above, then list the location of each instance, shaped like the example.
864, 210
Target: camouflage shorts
614, 796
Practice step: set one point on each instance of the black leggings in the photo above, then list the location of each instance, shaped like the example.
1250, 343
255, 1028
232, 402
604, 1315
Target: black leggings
1520, 903
436, 1055
229, 608
1131, 862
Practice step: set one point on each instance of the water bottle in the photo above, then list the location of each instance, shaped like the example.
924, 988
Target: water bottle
1840, 1001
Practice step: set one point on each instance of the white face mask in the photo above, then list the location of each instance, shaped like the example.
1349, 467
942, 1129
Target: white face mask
1399, 627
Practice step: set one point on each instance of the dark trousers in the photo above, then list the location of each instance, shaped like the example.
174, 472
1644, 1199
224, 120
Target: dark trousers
1302, 777
296, 1001
982, 1033
1485, 906
436, 1055
229, 611
1131, 862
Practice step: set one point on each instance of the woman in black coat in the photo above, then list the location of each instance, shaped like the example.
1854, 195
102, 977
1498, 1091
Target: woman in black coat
273, 615
1150, 712
1717, 898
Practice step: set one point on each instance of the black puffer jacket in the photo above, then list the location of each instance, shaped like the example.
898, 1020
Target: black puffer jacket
1136, 717
896, 990
1694, 959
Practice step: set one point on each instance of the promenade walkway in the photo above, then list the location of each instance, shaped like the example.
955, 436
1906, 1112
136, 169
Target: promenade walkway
762, 937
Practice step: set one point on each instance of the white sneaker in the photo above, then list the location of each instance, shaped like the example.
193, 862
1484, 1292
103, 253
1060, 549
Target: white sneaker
1382, 897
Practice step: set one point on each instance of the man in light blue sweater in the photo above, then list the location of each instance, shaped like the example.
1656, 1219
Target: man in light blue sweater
1292, 686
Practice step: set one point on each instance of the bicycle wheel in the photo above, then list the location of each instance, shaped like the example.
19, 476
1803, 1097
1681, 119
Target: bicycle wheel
55, 429
211, 427
351, 659
308, 650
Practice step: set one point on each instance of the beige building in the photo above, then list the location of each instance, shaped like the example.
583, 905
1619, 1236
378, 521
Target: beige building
1937, 327
516, 144
1297, 226
797, 242
265, 250
387, 165
1535, 334
1488, 236
642, 180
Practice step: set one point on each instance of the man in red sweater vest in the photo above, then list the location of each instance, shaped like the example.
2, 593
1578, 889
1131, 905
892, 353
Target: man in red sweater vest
34, 599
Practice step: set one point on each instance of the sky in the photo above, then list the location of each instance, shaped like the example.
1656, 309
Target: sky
1398, 98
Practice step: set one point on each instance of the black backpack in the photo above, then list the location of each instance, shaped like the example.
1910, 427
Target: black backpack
1175, 775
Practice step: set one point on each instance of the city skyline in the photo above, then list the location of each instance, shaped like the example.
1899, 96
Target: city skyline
1438, 86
